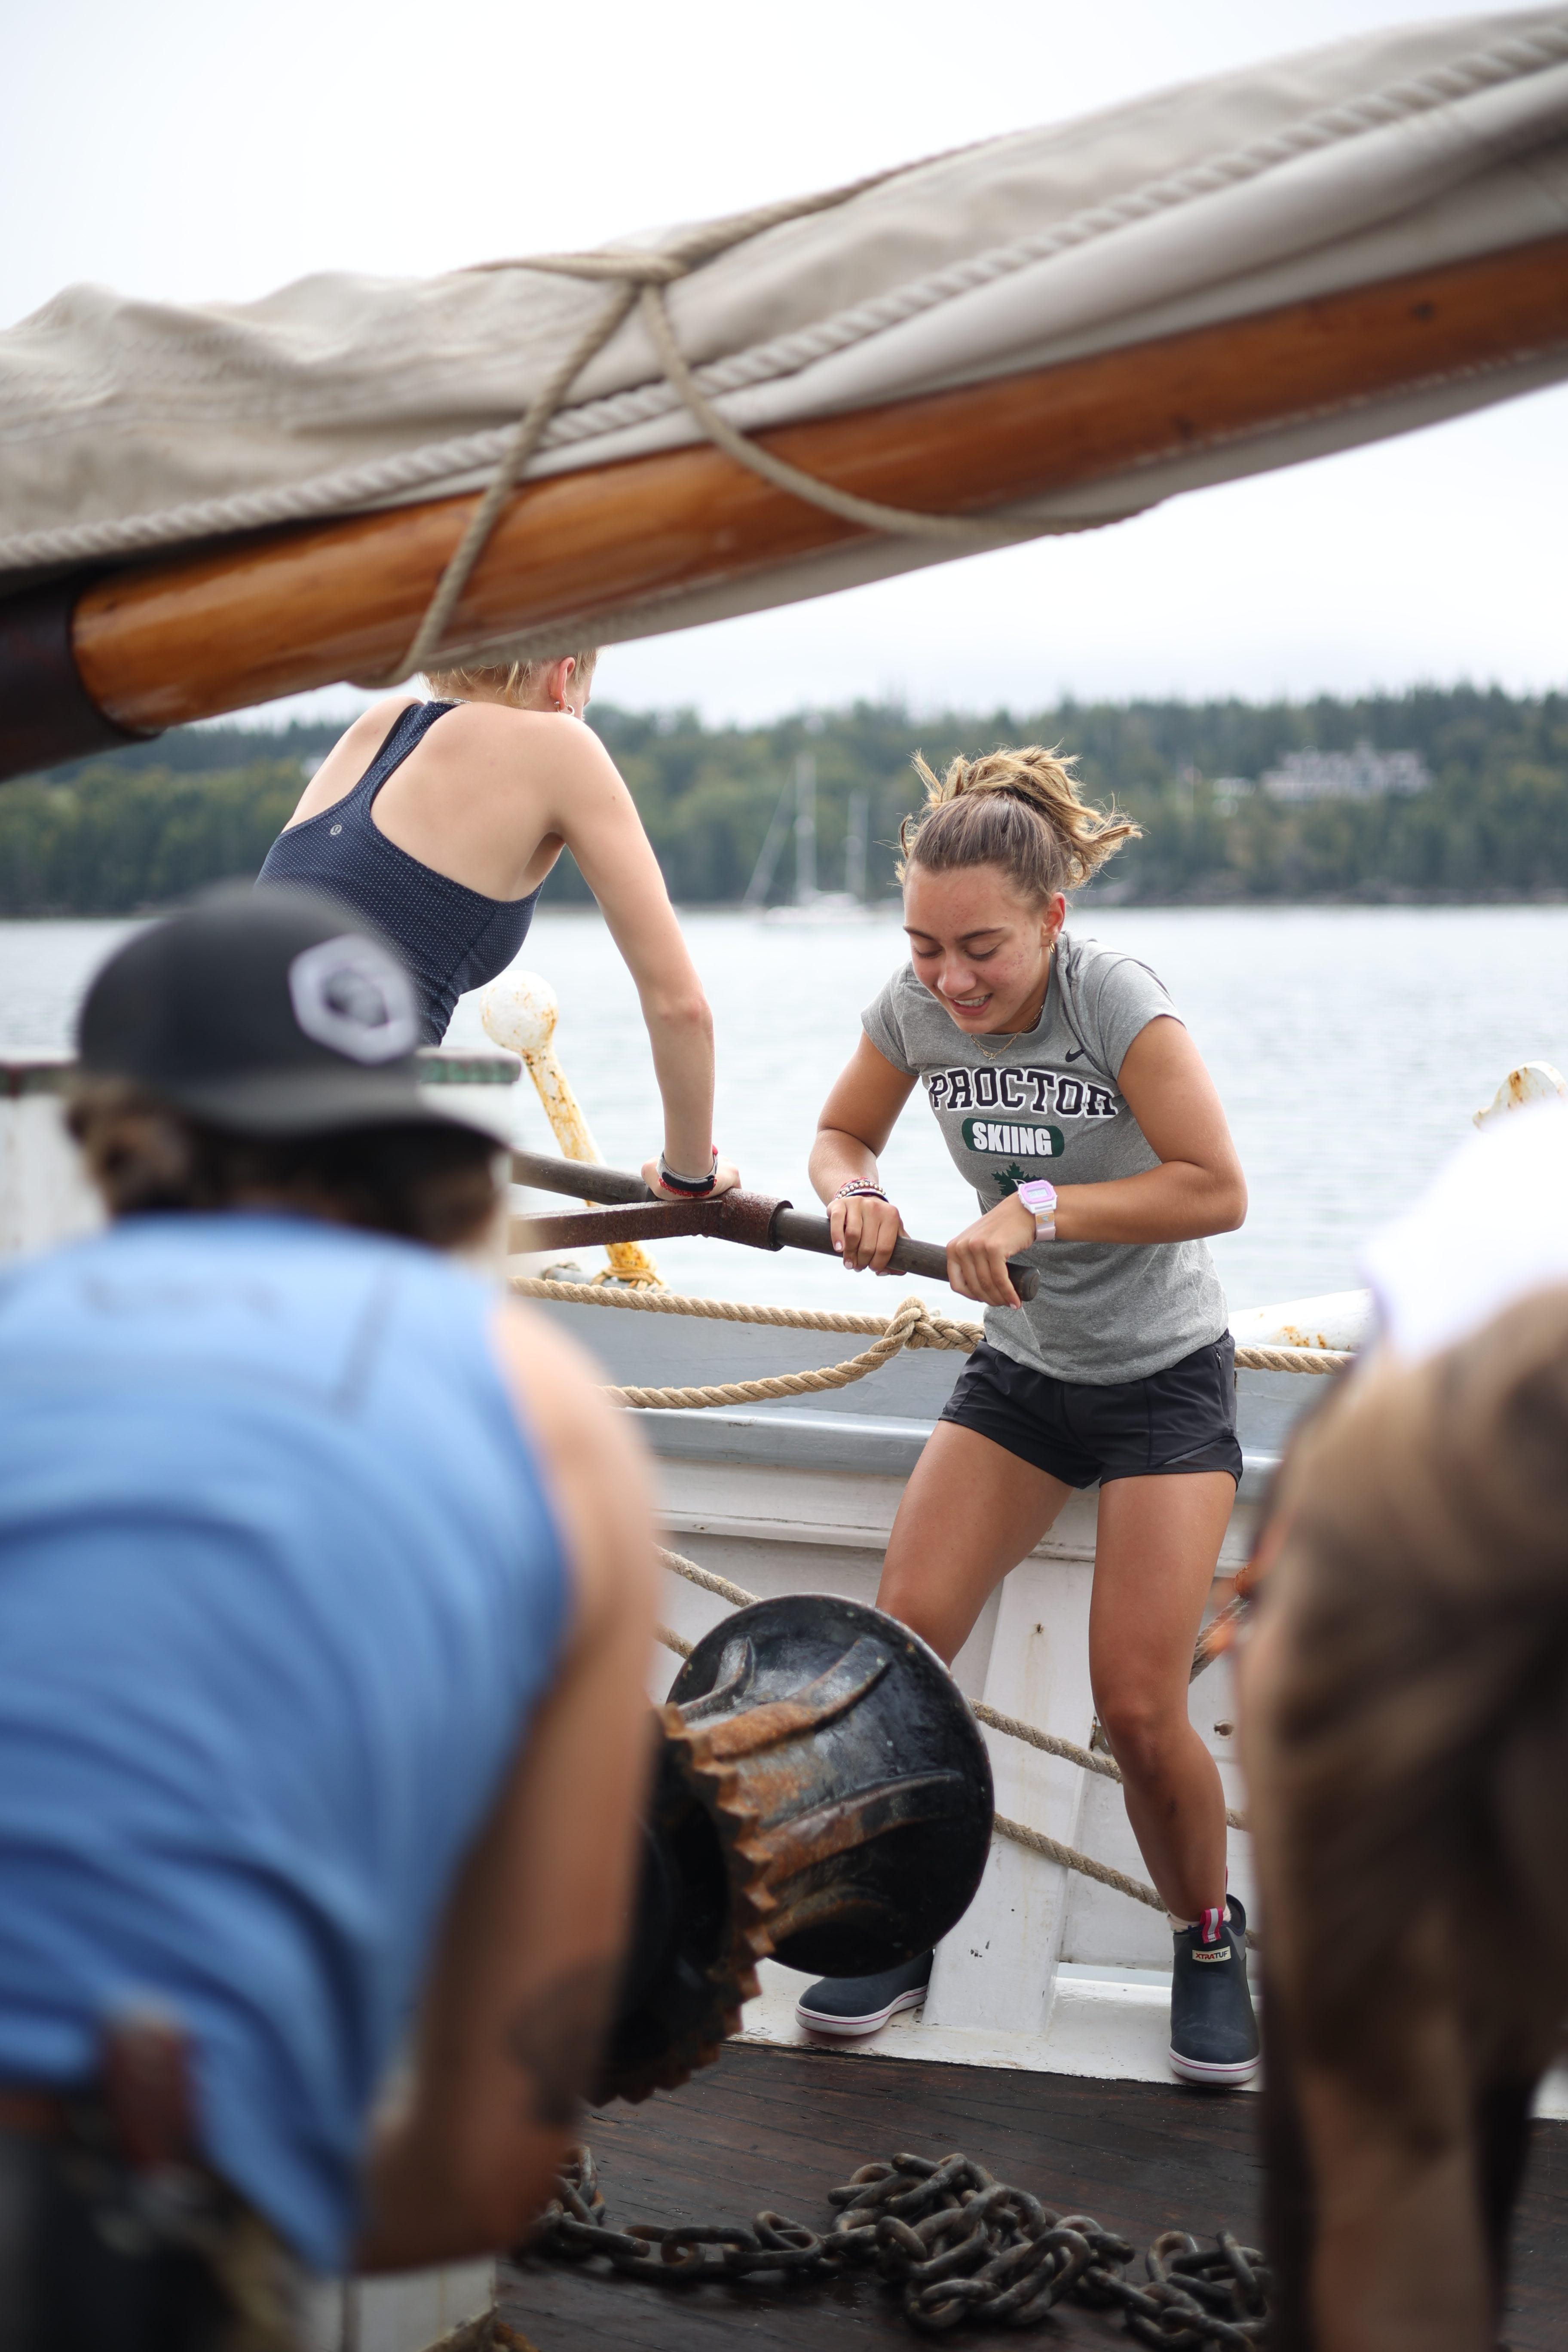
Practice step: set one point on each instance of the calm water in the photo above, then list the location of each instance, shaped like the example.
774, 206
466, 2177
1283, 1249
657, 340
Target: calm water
1350, 1045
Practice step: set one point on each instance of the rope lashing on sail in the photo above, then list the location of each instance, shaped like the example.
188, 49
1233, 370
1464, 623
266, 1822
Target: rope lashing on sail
915, 1326
1053, 1850
640, 279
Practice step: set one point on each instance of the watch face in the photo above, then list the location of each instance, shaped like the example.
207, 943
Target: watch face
1038, 1196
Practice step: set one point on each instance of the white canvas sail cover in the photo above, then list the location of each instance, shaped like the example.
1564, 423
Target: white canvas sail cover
129, 428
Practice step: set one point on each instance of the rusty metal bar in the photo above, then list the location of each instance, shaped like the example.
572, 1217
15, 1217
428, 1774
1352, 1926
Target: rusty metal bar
749, 1218
584, 1180
597, 1228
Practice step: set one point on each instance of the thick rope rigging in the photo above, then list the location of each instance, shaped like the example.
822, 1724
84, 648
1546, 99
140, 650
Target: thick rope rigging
914, 1326
771, 1388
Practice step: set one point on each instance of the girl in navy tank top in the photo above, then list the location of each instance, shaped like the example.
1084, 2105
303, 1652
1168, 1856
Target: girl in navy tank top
439, 821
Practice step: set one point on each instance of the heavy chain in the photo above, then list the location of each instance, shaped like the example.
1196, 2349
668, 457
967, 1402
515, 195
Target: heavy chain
958, 2245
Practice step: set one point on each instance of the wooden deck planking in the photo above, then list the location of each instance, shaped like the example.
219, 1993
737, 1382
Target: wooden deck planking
779, 2127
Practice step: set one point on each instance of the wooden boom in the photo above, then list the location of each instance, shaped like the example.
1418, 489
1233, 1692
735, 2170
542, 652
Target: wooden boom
156, 644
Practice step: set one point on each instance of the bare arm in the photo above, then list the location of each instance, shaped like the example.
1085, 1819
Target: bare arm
599, 824
858, 1118
1197, 1188
520, 1987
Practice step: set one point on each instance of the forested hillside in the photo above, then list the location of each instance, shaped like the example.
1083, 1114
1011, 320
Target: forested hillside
147, 824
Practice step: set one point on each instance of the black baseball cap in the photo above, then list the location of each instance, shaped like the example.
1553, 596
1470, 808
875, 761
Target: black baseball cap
273, 1012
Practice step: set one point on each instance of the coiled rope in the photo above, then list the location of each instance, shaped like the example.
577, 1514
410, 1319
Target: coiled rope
1068, 1856
914, 1326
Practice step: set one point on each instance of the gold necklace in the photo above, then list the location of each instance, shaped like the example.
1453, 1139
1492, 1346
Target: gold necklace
1013, 1036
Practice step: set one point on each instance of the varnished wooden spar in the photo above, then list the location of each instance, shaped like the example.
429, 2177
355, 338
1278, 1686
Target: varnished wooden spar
160, 643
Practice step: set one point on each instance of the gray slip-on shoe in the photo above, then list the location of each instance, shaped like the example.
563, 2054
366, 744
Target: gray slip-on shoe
847, 2006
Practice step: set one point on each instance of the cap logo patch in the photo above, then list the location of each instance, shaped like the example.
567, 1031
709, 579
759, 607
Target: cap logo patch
350, 995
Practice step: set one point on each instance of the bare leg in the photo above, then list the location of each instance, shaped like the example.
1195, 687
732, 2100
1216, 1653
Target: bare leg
1158, 1544
971, 1512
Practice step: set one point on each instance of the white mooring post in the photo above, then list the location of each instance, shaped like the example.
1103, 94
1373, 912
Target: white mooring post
519, 1011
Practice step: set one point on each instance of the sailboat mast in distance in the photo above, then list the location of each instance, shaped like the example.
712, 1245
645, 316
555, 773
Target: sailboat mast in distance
855, 844
805, 829
757, 889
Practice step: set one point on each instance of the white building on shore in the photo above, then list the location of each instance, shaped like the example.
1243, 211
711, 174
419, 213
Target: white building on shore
1363, 774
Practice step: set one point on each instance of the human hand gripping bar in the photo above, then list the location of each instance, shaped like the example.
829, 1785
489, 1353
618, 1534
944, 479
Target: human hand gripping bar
634, 1213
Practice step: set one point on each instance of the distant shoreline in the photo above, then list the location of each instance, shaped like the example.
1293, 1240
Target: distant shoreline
1091, 901
1440, 797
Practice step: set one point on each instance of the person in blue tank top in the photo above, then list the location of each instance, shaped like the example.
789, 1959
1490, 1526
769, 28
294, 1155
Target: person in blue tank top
439, 821
325, 1608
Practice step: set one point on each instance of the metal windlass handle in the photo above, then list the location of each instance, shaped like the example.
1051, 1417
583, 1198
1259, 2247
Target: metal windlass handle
588, 1180
749, 1218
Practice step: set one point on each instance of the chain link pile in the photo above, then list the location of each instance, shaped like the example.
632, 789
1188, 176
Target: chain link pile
958, 2246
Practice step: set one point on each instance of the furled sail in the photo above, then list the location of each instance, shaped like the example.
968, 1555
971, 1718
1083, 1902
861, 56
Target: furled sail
1050, 329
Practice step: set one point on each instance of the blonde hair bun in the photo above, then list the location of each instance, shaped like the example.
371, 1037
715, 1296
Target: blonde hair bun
1020, 809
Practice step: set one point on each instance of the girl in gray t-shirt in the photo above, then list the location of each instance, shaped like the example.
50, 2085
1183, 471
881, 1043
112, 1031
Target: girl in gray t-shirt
1073, 1100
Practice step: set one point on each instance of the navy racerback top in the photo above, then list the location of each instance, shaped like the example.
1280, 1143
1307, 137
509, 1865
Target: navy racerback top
452, 939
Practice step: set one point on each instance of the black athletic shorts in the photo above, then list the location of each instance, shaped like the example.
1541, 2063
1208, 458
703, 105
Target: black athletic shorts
1171, 1424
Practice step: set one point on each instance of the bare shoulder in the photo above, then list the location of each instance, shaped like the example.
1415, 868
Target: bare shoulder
1164, 1046
488, 751
554, 1382
535, 735
591, 1462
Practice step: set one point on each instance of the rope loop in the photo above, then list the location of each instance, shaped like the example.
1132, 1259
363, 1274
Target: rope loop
639, 277
898, 1334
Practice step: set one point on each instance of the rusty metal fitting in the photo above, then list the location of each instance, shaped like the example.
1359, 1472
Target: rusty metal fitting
749, 1218
822, 1794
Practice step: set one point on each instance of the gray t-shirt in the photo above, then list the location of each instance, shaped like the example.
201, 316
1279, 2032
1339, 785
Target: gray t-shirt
1044, 1102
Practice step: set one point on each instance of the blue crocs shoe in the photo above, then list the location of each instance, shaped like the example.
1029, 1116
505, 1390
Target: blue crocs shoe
849, 2005
1214, 2033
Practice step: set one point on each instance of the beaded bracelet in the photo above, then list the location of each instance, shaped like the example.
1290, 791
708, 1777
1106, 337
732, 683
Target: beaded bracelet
859, 1188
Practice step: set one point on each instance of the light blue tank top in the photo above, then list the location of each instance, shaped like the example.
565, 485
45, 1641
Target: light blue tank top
279, 1591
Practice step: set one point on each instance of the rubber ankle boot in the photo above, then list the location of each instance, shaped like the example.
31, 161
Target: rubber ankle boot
1214, 2033
850, 2005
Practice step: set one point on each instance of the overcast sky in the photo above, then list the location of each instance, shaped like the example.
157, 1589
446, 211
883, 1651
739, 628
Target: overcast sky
216, 149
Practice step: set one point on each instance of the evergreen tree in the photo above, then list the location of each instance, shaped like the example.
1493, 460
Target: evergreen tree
145, 827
